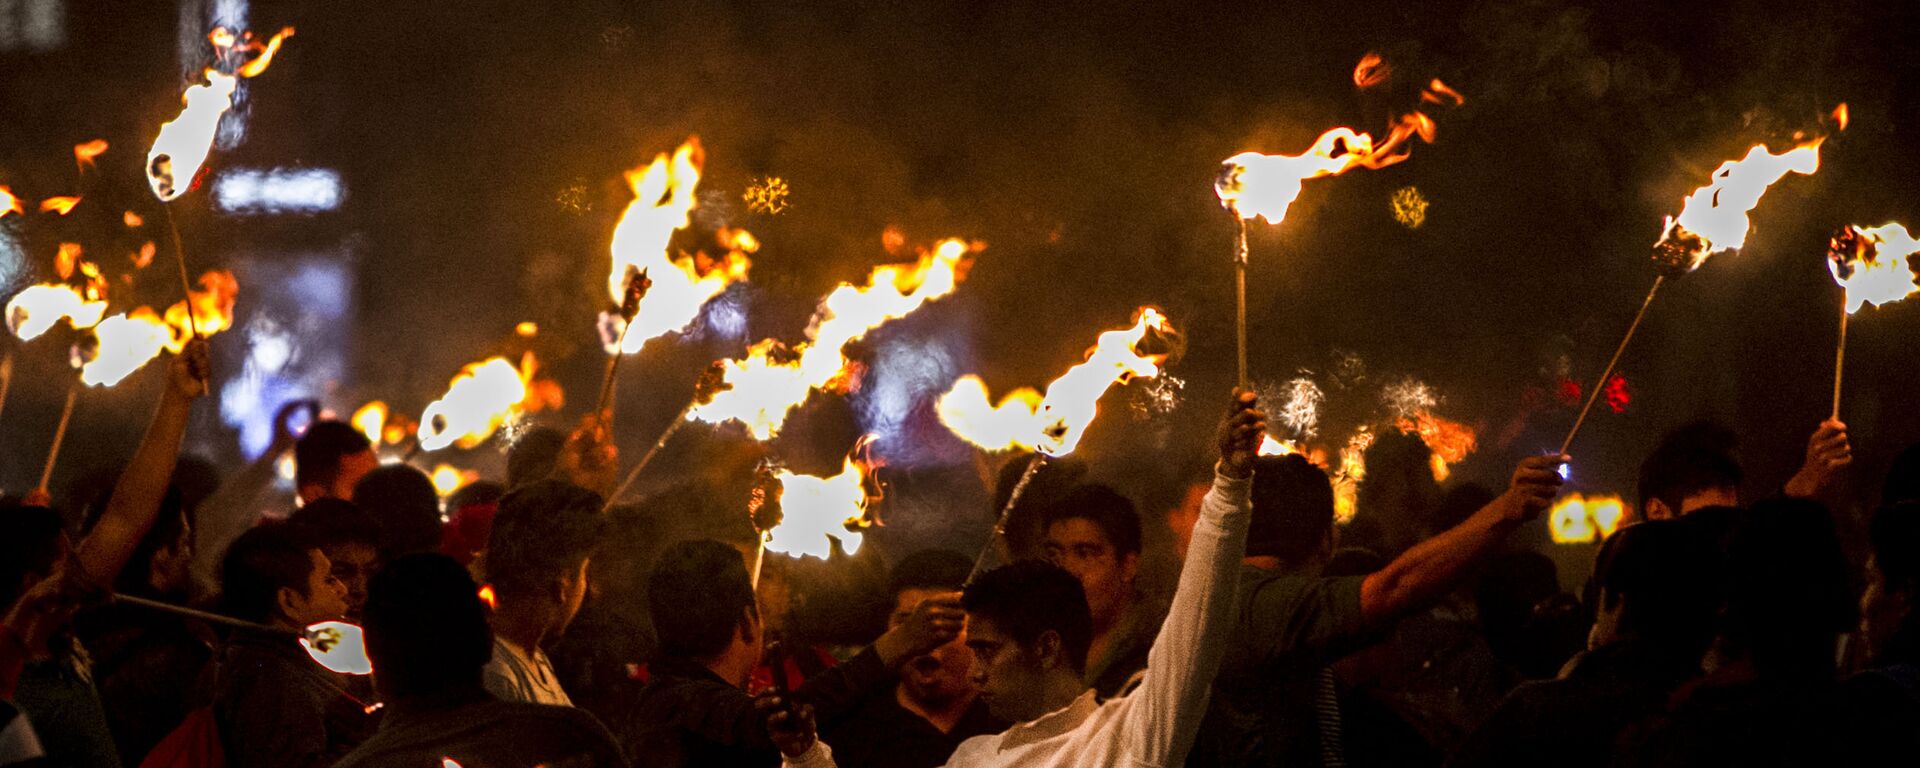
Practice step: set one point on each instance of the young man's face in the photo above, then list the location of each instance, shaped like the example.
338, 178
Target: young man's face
1010, 678
353, 564
1082, 549
942, 675
325, 598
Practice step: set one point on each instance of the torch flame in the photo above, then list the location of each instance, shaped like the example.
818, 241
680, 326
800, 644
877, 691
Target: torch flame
1055, 423
85, 152
447, 479
1716, 214
1271, 447
663, 200
125, 342
37, 309
60, 205
1353, 470
478, 401
338, 646
1875, 268
1450, 441
1577, 519
766, 385
371, 420
9, 203
816, 511
183, 144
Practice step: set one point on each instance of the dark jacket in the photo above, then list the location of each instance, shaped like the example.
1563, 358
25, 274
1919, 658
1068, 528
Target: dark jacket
685, 715
1574, 721
151, 669
883, 734
474, 729
277, 708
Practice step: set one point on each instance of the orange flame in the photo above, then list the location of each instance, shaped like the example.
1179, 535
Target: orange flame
1272, 447
1251, 184
9, 203
1450, 441
65, 260
447, 479
37, 309
1353, 470
1716, 214
816, 511
766, 385
371, 420
663, 199
212, 308
478, 402
132, 220
183, 144
85, 152
1053, 424
59, 205
1577, 519
144, 256
1879, 271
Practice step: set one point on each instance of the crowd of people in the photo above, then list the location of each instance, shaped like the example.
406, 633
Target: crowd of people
537, 624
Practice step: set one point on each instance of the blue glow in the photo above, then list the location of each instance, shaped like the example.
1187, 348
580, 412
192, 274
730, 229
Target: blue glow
292, 308
906, 373
252, 191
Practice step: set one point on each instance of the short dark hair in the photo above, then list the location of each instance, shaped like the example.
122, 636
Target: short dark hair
1030, 597
541, 534
425, 628
696, 595
1669, 574
1113, 513
1694, 457
929, 569
29, 546
534, 455
264, 559
476, 492
405, 503
1292, 508
317, 455
332, 523
1894, 536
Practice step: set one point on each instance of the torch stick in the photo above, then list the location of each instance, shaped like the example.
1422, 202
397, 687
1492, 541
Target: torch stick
1839, 361
6, 379
1240, 291
180, 258
679, 420
194, 613
759, 557
1608, 373
59, 435
637, 285
999, 534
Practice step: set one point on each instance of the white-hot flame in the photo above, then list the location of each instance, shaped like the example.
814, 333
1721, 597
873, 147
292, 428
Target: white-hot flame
37, 309
478, 401
766, 385
371, 420
1882, 273
1578, 519
816, 511
338, 646
126, 342
1717, 212
183, 143
663, 200
1053, 424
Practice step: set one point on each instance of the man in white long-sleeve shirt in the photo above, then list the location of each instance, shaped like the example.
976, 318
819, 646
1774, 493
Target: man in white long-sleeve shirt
1029, 627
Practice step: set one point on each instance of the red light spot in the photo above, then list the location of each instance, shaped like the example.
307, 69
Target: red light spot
1619, 395
1568, 392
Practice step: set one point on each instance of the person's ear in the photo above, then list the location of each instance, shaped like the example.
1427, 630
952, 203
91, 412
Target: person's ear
1049, 650
749, 627
1130, 566
289, 601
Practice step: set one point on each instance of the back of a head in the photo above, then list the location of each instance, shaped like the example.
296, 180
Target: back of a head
1393, 505
1030, 597
29, 546
265, 559
317, 455
477, 492
541, 534
1903, 478
1894, 536
1788, 594
931, 569
1695, 457
1292, 509
534, 456
332, 523
1109, 510
405, 503
426, 630
698, 592
1666, 576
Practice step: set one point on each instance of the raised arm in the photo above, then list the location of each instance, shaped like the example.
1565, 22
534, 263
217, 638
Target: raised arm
136, 497
1165, 712
1421, 575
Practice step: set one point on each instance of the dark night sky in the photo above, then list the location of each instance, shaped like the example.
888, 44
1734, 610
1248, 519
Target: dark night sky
1079, 141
